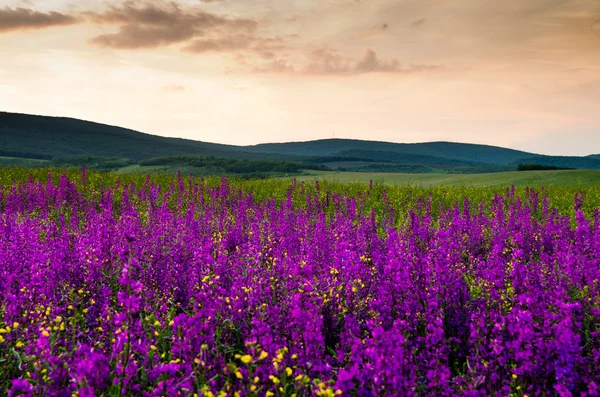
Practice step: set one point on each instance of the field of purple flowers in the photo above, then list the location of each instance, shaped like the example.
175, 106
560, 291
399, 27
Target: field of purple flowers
186, 287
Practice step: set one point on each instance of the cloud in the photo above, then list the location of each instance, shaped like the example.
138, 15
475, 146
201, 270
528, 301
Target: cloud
329, 62
222, 44
418, 22
372, 31
276, 66
295, 18
152, 25
265, 48
26, 19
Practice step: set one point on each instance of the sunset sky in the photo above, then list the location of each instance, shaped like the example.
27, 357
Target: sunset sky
523, 74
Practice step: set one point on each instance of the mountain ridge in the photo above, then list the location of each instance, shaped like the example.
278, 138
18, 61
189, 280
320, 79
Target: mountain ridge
46, 137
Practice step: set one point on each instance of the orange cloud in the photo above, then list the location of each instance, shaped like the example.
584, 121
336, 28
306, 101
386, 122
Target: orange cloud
275, 66
328, 62
418, 22
153, 26
25, 19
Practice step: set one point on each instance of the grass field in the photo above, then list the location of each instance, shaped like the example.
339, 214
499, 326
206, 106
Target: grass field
523, 178
21, 162
565, 178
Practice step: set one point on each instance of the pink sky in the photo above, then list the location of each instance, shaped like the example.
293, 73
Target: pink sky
513, 73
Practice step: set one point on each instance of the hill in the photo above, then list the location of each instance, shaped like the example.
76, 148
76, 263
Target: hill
44, 137
482, 154
66, 141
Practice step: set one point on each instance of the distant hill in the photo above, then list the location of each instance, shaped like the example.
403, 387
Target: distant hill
67, 141
481, 154
588, 162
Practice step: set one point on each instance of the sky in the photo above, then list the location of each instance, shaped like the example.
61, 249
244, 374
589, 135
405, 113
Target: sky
512, 73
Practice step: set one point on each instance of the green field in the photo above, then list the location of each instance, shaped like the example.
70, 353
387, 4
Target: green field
564, 178
21, 162
572, 178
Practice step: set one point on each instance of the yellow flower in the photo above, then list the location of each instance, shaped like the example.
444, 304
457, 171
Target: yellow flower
246, 359
263, 355
239, 375
152, 347
19, 344
15, 325
514, 376
274, 379
197, 361
157, 323
171, 322
253, 387
298, 378
269, 394
288, 371
45, 333
2, 339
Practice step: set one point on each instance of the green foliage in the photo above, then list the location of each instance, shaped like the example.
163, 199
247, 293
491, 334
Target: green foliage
22, 162
24, 155
539, 167
95, 162
248, 168
564, 162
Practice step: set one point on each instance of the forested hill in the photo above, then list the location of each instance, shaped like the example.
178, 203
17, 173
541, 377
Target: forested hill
69, 141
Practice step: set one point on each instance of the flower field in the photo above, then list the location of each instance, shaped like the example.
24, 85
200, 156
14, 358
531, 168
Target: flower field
160, 286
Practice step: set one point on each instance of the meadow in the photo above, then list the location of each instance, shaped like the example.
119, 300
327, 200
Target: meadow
536, 179
156, 285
